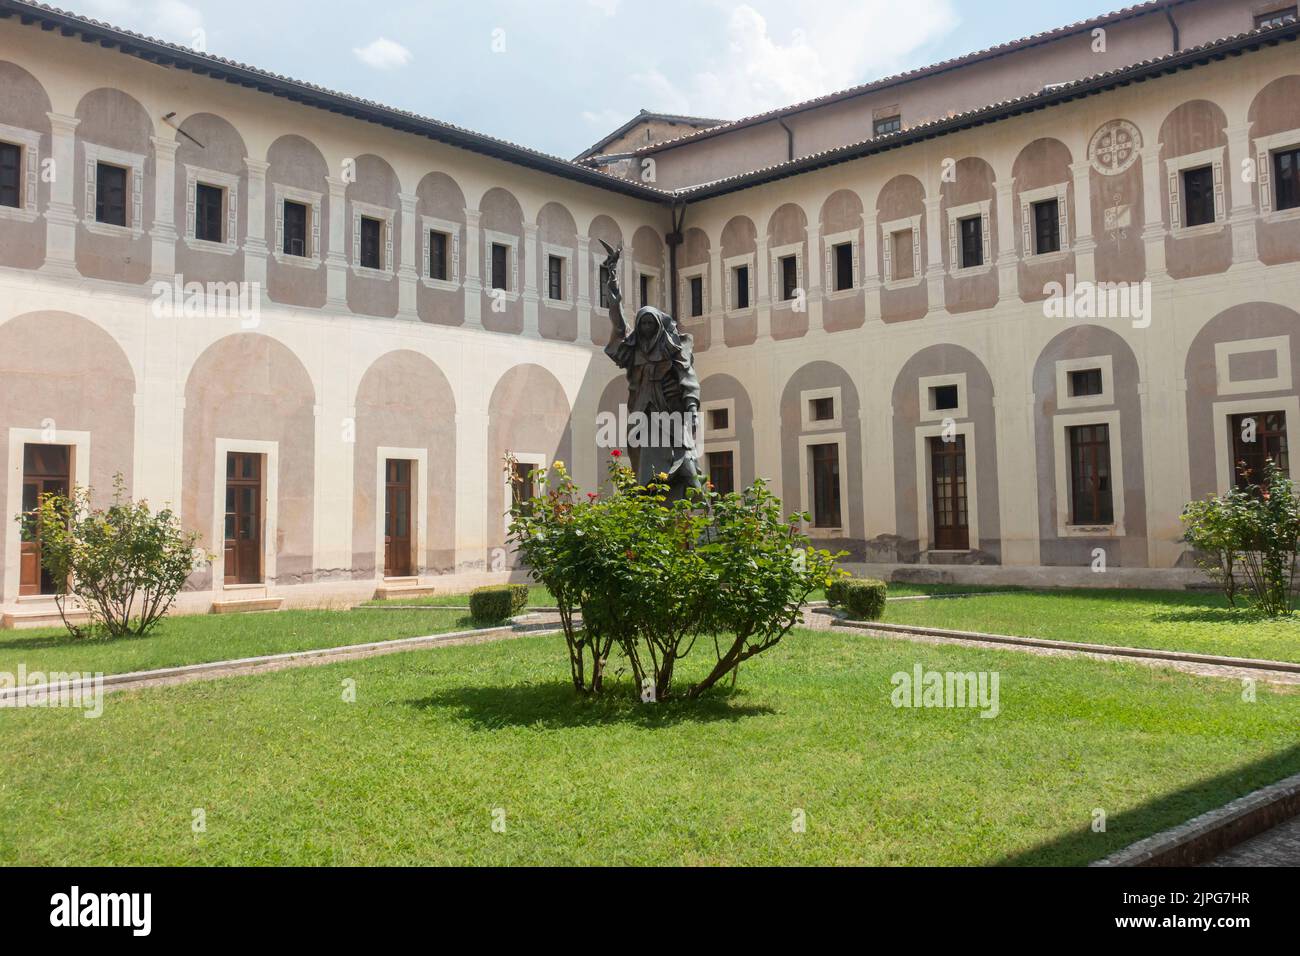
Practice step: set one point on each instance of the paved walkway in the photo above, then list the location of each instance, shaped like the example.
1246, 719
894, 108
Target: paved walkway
1279, 846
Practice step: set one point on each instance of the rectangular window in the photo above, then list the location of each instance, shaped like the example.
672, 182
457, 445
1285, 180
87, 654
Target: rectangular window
972, 241
110, 194
887, 124
1085, 381
1198, 196
397, 517
646, 289
789, 277
944, 397
1286, 178
1090, 484
826, 485
438, 260
1276, 18
740, 276
722, 472
372, 235
521, 483
901, 243
719, 418
948, 493
842, 253
697, 296
604, 287
1047, 227
209, 203
295, 228
1258, 437
555, 278
11, 165
500, 266
822, 409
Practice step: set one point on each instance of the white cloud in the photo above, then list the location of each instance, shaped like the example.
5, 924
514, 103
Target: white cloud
835, 44
383, 54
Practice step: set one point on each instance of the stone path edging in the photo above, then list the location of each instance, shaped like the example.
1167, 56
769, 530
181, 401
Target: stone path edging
1205, 837
1112, 650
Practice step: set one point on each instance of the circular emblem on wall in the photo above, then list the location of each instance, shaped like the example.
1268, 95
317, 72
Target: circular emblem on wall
1114, 147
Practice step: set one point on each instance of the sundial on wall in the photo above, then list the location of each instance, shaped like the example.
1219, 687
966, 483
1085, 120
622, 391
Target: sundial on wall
1114, 147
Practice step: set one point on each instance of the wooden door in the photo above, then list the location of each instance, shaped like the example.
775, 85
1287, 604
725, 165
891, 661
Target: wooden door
243, 550
948, 493
397, 518
46, 471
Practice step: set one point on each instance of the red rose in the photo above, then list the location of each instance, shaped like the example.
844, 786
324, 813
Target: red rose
616, 453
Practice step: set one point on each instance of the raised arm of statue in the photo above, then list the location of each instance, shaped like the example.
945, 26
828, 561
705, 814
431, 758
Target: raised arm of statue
613, 294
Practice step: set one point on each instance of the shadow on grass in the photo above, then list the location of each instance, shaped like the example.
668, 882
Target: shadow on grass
1160, 813
555, 705
64, 639
1214, 615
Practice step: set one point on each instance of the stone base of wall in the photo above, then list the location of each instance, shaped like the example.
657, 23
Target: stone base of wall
1032, 577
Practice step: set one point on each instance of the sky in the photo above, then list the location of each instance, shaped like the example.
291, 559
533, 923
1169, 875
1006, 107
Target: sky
557, 75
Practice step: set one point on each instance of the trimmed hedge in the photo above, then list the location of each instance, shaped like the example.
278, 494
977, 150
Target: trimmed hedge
496, 602
862, 598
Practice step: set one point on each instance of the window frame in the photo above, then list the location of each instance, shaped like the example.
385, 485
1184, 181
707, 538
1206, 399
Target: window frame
1095, 493
888, 230
1174, 180
28, 143
1266, 149
565, 256
385, 216
1104, 363
894, 122
1029, 200
1275, 18
1064, 502
957, 215
731, 269
228, 183
93, 154
304, 197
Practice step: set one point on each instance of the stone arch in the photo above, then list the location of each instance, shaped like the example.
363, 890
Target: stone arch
86, 384
647, 257
900, 207
528, 414
1249, 376
915, 423
739, 238
787, 231
440, 205
798, 430
113, 120
251, 387
1275, 109
694, 254
24, 104
739, 436
502, 214
556, 229
223, 152
1041, 172
841, 219
972, 182
1120, 407
296, 164
377, 185
602, 227
404, 400
1196, 126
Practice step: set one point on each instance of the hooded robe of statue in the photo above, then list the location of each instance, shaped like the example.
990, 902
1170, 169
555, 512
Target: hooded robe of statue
660, 378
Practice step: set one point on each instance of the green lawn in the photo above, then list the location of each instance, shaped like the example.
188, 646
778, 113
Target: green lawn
1168, 620
198, 638
410, 773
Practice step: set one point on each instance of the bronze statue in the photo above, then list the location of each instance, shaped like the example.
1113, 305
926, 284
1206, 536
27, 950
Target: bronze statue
663, 389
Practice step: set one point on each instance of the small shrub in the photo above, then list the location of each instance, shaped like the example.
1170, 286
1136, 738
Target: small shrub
496, 602
862, 598
124, 564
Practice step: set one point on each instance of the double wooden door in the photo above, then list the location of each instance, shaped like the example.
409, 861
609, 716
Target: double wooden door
397, 518
948, 493
243, 550
46, 471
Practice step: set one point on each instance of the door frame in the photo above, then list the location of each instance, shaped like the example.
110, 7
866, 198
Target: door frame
419, 505
270, 452
924, 521
79, 469
937, 446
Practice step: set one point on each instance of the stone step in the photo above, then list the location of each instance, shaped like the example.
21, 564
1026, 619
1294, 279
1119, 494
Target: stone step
247, 604
392, 590
42, 616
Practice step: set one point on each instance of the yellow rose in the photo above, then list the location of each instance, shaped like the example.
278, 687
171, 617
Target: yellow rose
663, 476
558, 465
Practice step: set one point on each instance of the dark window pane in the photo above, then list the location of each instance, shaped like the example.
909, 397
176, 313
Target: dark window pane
1085, 381
887, 124
110, 194
295, 228
697, 296
645, 289
742, 287
10, 174
438, 256
823, 409
1047, 227
500, 262
843, 266
1275, 18
1258, 437
208, 203
972, 242
945, 397
555, 277
1286, 179
789, 277
1198, 195
1090, 479
826, 486
719, 419
721, 472
372, 233
604, 287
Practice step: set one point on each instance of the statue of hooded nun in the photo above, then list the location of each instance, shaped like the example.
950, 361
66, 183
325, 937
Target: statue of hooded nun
660, 365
